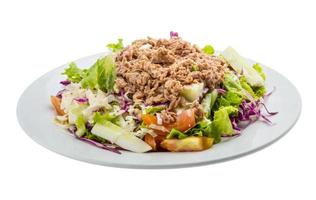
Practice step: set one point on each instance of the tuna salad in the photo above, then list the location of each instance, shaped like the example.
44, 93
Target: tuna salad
161, 95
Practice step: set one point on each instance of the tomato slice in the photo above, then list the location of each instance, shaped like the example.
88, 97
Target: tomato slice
185, 120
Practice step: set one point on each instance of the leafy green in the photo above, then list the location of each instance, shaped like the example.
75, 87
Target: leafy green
241, 86
231, 82
116, 47
258, 68
154, 109
208, 49
101, 75
242, 66
230, 98
174, 133
256, 92
73, 73
102, 118
80, 125
234, 94
259, 91
221, 124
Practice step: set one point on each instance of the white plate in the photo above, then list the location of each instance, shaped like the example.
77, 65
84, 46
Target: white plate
35, 115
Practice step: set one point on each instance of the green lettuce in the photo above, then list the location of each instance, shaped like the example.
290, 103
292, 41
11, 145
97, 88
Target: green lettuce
208, 49
102, 118
256, 91
258, 68
221, 125
73, 73
230, 98
116, 47
101, 75
80, 125
208, 102
174, 133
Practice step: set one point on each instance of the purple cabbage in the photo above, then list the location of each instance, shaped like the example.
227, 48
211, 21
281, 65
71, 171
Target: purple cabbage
109, 147
173, 34
100, 145
221, 91
65, 82
82, 100
59, 93
250, 112
125, 102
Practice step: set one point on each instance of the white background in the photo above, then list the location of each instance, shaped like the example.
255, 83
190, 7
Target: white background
37, 36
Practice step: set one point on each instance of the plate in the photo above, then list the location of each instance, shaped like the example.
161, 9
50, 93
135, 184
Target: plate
35, 116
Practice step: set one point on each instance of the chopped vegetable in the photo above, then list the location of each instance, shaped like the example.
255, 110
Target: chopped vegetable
188, 144
174, 133
173, 34
119, 136
258, 68
241, 66
221, 124
208, 49
56, 103
101, 75
116, 47
185, 120
81, 125
154, 109
73, 73
193, 91
256, 92
150, 140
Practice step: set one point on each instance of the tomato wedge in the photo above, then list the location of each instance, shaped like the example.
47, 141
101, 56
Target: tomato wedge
185, 120
56, 103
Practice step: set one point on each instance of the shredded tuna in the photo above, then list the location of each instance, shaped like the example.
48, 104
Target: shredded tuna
155, 71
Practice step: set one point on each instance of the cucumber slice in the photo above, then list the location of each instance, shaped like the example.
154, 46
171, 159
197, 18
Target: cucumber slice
108, 131
132, 143
240, 65
193, 91
119, 136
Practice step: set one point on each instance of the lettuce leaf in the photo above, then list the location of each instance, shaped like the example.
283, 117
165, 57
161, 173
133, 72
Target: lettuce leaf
101, 75
174, 133
102, 118
258, 68
73, 73
230, 99
208, 102
116, 47
80, 125
256, 92
221, 124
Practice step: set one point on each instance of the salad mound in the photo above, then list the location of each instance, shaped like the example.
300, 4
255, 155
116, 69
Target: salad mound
161, 95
